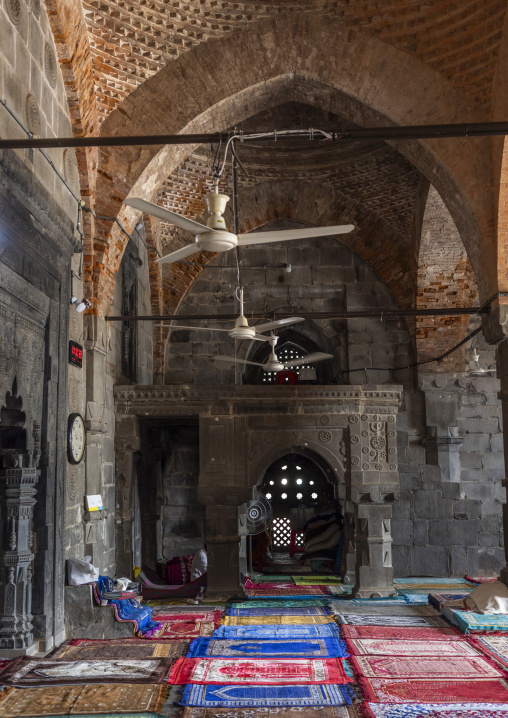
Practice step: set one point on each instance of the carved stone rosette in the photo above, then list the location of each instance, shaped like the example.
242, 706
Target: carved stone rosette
17, 499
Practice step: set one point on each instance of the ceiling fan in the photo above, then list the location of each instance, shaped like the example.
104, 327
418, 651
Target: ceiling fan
242, 330
214, 237
273, 363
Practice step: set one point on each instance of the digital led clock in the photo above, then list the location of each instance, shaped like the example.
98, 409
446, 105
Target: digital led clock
75, 354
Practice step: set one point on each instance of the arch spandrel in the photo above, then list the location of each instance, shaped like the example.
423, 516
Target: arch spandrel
385, 84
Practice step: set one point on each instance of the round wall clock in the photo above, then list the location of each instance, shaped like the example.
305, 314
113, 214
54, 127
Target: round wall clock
75, 438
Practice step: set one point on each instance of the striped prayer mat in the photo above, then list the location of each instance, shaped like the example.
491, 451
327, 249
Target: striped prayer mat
329, 630
436, 710
290, 592
353, 619
228, 696
398, 609
456, 667
262, 648
372, 602
403, 691
279, 603
427, 580
82, 648
494, 647
403, 633
470, 622
310, 712
279, 611
261, 672
136, 701
279, 619
389, 647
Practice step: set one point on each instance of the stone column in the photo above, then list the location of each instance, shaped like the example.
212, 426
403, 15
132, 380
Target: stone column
17, 499
127, 442
443, 442
502, 373
373, 488
349, 551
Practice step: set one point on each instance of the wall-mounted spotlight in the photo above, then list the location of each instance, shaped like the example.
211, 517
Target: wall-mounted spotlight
80, 306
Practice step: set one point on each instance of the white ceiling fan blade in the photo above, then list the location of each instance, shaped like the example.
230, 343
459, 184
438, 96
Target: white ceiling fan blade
179, 254
309, 359
268, 326
287, 234
148, 208
221, 357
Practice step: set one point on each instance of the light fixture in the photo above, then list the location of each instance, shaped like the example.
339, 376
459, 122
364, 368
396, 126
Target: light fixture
80, 306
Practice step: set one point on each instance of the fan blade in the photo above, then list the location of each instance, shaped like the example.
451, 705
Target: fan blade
285, 234
153, 209
221, 357
179, 254
309, 359
277, 323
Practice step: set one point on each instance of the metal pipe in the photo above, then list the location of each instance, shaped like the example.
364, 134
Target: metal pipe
412, 132
444, 312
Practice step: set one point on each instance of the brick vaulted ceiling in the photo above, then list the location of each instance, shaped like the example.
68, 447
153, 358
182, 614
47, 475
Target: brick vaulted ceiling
132, 40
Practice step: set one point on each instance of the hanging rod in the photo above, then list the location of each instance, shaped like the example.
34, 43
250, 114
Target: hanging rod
438, 312
411, 132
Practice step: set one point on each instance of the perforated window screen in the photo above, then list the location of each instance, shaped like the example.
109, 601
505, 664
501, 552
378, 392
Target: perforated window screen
281, 532
286, 353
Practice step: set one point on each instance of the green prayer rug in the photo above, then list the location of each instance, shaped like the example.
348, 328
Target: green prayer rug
315, 580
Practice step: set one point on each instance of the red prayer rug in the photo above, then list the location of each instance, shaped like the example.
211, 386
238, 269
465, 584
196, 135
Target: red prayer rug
425, 667
182, 630
204, 616
299, 671
382, 690
481, 579
447, 633
387, 647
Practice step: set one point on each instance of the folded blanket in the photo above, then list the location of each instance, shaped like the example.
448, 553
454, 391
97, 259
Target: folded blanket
323, 537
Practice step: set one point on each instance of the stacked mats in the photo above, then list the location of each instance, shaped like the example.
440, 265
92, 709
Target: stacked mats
268, 654
92, 677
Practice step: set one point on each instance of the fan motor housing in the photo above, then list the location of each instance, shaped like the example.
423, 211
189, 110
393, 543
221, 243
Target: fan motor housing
216, 241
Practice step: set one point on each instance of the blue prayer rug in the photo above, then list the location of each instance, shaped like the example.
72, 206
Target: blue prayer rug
327, 630
261, 648
278, 611
211, 696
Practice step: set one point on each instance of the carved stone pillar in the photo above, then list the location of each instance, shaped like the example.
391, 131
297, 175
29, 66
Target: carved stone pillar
349, 551
373, 488
502, 373
443, 442
17, 499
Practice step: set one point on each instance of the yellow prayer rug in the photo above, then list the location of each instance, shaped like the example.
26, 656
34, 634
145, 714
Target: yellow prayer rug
266, 620
315, 580
84, 699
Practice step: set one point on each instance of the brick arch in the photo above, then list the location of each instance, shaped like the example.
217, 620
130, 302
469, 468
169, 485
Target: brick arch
254, 66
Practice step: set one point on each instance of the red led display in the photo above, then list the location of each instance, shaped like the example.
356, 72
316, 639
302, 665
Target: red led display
75, 354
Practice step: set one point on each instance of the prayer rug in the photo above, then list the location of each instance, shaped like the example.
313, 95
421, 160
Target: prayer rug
470, 622
279, 611
288, 584
481, 579
427, 581
465, 589
316, 580
82, 648
449, 633
373, 602
261, 672
261, 648
457, 585
272, 578
83, 699
181, 630
436, 710
227, 696
423, 667
382, 690
290, 592
311, 712
177, 606
266, 620
388, 647
416, 599
279, 603
353, 619
329, 630
399, 609
205, 617
24, 671
437, 599
495, 647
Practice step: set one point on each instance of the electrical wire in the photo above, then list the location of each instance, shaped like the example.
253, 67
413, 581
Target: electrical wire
81, 205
